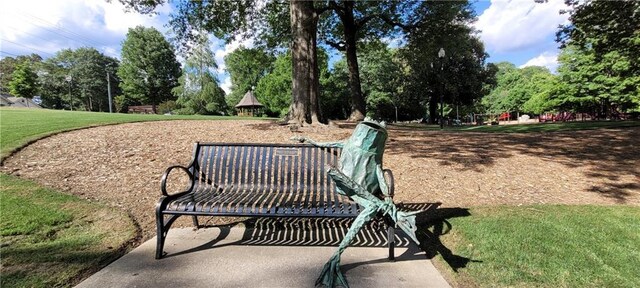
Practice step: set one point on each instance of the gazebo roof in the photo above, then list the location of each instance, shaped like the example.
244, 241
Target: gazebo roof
249, 101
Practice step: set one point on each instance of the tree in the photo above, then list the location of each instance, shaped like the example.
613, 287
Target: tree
274, 89
8, 65
87, 69
24, 82
354, 21
599, 64
516, 87
198, 91
149, 68
382, 81
246, 66
461, 76
231, 19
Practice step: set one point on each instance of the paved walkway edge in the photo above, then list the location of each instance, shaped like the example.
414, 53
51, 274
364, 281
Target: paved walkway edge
200, 259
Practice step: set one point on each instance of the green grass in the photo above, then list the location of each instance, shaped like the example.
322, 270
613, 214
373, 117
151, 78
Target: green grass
529, 128
20, 126
51, 239
548, 246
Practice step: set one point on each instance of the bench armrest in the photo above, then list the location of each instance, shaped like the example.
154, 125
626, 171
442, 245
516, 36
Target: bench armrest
388, 175
166, 175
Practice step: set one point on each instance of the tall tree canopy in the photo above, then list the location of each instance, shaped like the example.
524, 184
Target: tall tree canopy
8, 65
383, 76
274, 89
149, 69
199, 92
600, 61
461, 76
87, 71
515, 87
246, 66
230, 19
354, 21
24, 82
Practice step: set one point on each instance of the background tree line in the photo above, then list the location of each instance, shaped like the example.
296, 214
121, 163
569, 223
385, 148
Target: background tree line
388, 65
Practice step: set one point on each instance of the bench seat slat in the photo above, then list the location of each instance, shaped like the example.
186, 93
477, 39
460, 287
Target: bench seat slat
229, 201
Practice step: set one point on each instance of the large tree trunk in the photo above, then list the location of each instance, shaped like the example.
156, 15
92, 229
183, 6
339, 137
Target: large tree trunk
304, 105
358, 105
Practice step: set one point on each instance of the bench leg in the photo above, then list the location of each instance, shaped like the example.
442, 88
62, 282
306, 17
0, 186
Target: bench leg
162, 231
195, 222
391, 237
160, 236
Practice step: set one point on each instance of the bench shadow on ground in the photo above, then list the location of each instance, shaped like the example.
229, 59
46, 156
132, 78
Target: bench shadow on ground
432, 223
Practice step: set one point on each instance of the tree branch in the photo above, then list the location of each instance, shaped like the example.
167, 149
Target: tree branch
405, 27
321, 10
332, 5
340, 46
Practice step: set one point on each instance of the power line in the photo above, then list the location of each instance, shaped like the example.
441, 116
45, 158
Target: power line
3, 52
34, 49
33, 35
61, 28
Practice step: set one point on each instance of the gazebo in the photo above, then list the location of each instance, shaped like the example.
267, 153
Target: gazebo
249, 105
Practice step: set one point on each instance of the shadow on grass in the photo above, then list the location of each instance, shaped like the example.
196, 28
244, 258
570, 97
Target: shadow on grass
434, 223
55, 264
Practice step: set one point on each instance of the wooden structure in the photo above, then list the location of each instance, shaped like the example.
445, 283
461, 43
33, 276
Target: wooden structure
142, 109
249, 106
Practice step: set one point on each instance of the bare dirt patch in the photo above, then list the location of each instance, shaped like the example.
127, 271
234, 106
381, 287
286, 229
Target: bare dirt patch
121, 165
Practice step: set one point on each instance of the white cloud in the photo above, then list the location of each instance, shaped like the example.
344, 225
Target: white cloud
45, 26
226, 84
546, 59
226, 49
510, 25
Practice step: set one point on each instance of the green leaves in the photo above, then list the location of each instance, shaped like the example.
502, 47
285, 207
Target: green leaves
149, 68
198, 92
246, 66
24, 82
524, 90
600, 62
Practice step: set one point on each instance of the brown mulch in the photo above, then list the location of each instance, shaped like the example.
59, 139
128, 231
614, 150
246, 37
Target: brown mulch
121, 165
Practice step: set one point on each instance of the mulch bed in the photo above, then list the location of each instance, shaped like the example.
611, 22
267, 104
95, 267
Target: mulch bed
121, 165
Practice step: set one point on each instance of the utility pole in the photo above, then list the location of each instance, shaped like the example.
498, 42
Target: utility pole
109, 91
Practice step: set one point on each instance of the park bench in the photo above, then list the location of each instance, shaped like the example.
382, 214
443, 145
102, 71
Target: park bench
258, 180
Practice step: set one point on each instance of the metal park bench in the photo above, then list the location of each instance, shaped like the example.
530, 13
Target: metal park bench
258, 180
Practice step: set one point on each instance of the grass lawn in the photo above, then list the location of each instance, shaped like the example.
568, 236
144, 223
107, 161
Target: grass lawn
50, 239
528, 128
19, 126
547, 246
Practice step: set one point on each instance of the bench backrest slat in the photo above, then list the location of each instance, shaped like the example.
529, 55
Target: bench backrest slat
291, 173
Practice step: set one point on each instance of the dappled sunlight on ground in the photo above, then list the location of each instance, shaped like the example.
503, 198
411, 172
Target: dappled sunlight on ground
121, 165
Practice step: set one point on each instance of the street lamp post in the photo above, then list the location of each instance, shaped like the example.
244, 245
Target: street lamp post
441, 56
109, 87
69, 79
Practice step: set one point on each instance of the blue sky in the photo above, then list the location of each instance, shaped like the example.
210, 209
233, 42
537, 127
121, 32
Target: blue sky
518, 31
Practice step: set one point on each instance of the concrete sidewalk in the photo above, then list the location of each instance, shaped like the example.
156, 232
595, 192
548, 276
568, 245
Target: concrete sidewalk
200, 259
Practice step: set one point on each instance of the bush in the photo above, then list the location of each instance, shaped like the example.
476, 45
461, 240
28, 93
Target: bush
167, 107
122, 103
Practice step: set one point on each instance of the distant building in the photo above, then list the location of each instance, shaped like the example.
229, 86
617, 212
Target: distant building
10, 101
249, 105
4, 100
